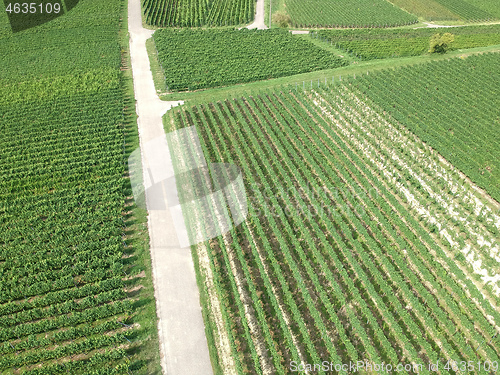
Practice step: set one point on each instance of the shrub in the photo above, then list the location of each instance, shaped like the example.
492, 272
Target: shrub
281, 18
440, 43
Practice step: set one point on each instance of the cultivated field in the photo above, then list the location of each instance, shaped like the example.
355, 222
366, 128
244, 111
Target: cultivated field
430, 10
453, 106
372, 232
195, 59
361, 243
466, 10
69, 265
490, 6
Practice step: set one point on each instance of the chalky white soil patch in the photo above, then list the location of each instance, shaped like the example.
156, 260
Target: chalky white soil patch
223, 344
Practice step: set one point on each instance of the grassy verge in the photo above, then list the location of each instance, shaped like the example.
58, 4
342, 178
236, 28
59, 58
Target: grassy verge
462, 23
353, 69
139, 281
206, 311
156, 69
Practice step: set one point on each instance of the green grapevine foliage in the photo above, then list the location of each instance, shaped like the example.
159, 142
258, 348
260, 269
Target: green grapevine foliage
193, 13
451, 105
195, 59
63, 307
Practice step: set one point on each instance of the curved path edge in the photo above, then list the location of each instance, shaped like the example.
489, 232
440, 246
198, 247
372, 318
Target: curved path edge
258, 23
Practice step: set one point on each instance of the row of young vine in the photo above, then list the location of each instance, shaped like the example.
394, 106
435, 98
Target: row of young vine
195, 13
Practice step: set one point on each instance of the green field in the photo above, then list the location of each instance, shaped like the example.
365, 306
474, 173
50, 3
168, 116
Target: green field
192, 13
380, 43
195, 59
373, 188
339, 263
66, 305
346, 13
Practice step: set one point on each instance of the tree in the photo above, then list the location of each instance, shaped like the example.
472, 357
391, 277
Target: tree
440, 43
281, 18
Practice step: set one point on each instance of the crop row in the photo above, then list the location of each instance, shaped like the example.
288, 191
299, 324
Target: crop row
466, 10
193, 13
451, 211
62, 184
452, 106
389, 157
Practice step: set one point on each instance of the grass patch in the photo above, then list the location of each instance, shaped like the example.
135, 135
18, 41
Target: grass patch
156, 68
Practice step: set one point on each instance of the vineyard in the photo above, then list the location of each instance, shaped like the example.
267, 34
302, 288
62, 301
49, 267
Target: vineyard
370, 228
381, 43
58, 48
361, 244
65, 306
193, 13
199, 59
347, 13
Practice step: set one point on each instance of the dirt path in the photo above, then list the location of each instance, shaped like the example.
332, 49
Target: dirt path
258, 23
432, 25
183, 345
